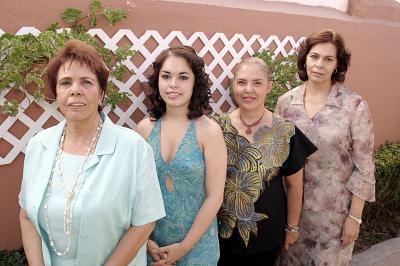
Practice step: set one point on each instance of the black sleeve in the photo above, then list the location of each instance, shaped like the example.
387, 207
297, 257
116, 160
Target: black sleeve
300, 148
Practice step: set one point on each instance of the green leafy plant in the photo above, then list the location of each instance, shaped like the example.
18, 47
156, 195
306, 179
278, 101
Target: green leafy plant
23, 58
15, 258
283, 74
387, 174
381, 219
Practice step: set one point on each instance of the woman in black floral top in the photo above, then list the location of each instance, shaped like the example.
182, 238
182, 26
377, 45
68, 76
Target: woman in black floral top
262, 149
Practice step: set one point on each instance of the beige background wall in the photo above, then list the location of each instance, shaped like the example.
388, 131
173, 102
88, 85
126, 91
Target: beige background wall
375, 47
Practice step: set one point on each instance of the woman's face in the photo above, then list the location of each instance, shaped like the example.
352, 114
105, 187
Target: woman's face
251, 86
321, 61
78, 91
175, 82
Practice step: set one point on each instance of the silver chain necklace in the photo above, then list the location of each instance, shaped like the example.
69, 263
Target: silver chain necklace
72, 194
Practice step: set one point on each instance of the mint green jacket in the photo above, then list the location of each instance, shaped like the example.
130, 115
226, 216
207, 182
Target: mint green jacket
121, 190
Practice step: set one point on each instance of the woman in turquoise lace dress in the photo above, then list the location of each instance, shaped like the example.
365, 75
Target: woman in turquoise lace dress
190, 157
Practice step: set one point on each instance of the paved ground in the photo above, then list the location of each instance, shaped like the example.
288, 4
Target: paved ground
386, 253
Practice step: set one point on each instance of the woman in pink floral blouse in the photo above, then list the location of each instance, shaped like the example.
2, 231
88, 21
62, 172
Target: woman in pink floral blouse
339, 177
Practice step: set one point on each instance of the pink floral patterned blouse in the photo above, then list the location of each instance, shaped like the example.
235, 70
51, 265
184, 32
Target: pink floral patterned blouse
343, 132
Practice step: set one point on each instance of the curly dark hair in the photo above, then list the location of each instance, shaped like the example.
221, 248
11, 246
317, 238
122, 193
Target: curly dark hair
324, 36
199, 102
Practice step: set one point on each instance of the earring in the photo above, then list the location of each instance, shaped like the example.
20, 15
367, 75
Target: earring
305, 66
335, 71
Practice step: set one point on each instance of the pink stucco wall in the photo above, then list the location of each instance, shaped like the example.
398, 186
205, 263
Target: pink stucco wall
373, 73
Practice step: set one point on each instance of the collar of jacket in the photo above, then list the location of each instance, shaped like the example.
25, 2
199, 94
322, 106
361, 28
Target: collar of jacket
334, 98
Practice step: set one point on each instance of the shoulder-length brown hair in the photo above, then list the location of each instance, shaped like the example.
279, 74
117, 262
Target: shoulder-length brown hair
324, 36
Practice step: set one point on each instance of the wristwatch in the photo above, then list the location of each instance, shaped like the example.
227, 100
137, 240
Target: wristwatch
292, 228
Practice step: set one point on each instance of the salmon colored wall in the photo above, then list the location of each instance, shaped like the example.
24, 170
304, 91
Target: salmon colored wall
373, 72
386, 9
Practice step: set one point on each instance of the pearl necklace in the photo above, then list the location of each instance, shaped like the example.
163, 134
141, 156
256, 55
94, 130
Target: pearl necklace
71, 195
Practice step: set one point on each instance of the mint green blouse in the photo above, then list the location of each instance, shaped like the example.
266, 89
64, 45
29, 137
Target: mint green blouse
69, 165
121, 190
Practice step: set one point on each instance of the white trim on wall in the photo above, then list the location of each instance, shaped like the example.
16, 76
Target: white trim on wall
340, 5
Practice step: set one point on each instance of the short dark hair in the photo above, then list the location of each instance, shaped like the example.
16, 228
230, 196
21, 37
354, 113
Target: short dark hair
324, 36
76, 50
200, 100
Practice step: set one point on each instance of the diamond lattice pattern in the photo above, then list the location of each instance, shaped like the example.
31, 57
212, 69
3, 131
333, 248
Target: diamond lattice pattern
220, 52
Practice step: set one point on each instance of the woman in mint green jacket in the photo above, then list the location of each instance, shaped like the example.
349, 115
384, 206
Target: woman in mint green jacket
89, 194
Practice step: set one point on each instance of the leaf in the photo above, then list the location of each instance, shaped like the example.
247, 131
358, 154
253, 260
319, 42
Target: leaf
114, 96
115, 15
53, 27
95, 5
79, 28
38, 95
122, 53
93, 20
94, 9
118, 71
10, 107
107, 55
71, 15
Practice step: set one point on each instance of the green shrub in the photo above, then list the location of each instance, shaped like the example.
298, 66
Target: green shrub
14, 258
283, 74
387, 173
23, 58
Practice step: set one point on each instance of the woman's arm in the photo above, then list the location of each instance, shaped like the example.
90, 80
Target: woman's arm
129, 244
351, 227
215, 156
294, 184
30, 240
362, 180
357, 206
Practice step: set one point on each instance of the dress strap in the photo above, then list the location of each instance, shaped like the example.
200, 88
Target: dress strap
157, 126
155, 132
192, 124
191, 131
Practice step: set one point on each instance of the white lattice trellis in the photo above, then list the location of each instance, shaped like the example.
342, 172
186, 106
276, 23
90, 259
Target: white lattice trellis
247, 46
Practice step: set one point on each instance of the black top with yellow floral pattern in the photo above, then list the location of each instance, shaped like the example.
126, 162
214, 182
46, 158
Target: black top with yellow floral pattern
252, 217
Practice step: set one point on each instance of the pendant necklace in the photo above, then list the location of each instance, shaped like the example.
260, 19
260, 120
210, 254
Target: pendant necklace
249, 129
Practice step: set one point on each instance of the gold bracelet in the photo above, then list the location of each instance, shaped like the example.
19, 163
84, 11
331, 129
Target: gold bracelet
357, 220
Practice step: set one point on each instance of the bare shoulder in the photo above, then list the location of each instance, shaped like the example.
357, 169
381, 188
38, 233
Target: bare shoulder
208, 130
207, 125
144, 127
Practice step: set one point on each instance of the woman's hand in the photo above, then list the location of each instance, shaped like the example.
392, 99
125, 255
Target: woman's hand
350, 232
151, 248
291, 238
173, 253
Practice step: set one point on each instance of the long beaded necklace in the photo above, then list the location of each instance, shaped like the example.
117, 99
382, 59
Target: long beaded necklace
249, 129
72, 194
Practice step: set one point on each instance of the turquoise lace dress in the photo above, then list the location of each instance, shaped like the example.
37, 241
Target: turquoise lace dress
187, 170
